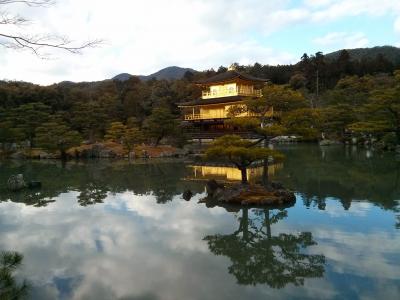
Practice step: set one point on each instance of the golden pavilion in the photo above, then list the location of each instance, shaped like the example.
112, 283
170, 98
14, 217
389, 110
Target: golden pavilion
219, 94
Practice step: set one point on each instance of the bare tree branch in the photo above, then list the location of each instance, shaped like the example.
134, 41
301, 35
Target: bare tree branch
28, 2
36, 43
7, 19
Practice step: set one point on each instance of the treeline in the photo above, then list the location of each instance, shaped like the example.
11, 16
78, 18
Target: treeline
328, 69
350, 97
59, 116
333, 97
357, 110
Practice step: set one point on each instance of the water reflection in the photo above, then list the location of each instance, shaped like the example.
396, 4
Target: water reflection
229, 173
92, 193
114, 230
346, 174
259, 256
93, 180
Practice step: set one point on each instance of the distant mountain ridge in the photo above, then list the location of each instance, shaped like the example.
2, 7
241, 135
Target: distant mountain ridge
169, 73
122, 77
172, 73
389, 52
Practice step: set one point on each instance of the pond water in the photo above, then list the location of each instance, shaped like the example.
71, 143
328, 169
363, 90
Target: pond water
115, 230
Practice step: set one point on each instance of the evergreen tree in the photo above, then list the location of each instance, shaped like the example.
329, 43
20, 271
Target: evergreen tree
90, 119
132, 137
160, 124
56, 135
239, 152
116, 132
381, 114
28, 117
9, 286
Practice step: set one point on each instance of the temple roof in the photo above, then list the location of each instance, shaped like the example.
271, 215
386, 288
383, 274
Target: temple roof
229, 76
212, 101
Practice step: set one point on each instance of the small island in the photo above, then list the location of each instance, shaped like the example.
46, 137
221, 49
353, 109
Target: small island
243, 153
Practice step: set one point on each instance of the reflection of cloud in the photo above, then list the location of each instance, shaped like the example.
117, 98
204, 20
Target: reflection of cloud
153, 251
357, 208
366, 255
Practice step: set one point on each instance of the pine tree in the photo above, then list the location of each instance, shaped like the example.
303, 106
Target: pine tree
160, 124
57, 135
116, 132
239, 152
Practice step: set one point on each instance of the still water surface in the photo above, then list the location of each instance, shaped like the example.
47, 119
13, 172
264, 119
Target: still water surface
114, 230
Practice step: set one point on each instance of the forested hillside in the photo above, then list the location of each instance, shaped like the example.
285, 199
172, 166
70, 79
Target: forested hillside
358, 97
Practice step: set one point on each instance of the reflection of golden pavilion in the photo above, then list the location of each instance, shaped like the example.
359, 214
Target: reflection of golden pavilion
229, 173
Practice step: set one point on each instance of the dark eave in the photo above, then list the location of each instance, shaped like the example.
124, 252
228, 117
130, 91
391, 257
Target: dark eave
200, 102
229, 76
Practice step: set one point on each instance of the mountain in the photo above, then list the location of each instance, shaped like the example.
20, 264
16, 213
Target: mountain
122, 77
389, 52
170, 73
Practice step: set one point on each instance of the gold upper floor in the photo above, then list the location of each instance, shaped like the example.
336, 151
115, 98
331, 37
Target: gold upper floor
229, 90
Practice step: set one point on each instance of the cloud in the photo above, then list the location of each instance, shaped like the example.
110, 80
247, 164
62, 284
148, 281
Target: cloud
144, 36
396, 25
350, 8
317, 3
335, 40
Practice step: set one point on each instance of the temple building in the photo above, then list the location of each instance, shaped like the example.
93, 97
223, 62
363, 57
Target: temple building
219, 94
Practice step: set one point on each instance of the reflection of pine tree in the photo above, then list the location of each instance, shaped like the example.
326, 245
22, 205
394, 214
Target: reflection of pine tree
166, 189
9, 287
259, 257
92, 193
320, 202
341, 173
94, 179
29, 197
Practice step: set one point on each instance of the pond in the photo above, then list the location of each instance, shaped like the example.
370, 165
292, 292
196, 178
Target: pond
120, 230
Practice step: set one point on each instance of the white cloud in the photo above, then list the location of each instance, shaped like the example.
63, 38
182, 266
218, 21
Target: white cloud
349, 8
336, 40
144, 36
397, 25
141, 37
317, 3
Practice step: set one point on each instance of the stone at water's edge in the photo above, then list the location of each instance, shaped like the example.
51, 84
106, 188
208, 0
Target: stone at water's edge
16, 182
249, 194
187, 195
328, 143
34, 184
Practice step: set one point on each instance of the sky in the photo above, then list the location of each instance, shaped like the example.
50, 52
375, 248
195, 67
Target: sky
142, 37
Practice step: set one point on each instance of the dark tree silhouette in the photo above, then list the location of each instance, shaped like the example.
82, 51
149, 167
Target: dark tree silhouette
92, 193
259, 257
9, 286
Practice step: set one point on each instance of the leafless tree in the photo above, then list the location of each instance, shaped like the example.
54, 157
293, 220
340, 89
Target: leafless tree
33, 41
